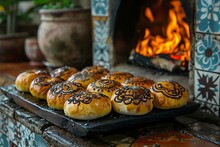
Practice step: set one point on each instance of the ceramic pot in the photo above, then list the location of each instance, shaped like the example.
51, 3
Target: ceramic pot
64, 36
33, 51
12, 47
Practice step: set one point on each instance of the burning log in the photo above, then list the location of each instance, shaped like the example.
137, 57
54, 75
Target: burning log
161, 62
170, 48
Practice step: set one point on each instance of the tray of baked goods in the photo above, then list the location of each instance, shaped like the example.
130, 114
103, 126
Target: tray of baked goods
95, 100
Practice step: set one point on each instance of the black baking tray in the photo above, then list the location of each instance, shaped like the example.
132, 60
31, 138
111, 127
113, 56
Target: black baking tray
109, 123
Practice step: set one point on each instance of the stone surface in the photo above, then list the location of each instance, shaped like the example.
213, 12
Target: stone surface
7, 106
61, 138
31, 121
18, 134
207, 131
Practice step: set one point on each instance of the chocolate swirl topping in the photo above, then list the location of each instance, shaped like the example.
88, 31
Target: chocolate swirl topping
170, 89
46, 80
41, 81
97, 69
59, 71
85, 76
118, 75
38, 72
84, 97
42, 72
137, 81
105, 84
132, 94
66, 88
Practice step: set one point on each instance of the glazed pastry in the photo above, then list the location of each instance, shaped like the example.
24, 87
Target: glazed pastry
118, 76
59, 93
105, 86
87, 106
40, 86
63, 72
24, 79
138, 81
83, 78
132, 100
97, 70
169, 94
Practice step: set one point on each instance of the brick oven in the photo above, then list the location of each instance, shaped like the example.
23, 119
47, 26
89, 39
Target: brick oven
120, 25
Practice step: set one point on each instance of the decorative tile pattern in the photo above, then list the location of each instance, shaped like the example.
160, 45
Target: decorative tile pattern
100, 44
207, 56
207, 53
4, 141
100, 7
18, 134
208, 16
207, 89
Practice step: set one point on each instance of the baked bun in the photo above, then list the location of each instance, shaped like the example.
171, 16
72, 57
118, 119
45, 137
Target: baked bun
87, 106
97, 70
105, 86
59, 93
63, 72
24, 79
169, 94
132, 100
83, 78
118, 76
138, 81
40, 86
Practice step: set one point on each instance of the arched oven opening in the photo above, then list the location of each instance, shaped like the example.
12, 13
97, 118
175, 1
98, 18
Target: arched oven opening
150, 38
152, 34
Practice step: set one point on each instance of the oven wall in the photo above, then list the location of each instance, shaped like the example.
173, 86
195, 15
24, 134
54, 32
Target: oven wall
207, 55
204, 67
103, 20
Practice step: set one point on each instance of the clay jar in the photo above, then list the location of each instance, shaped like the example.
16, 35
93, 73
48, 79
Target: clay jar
33, 52
64, 36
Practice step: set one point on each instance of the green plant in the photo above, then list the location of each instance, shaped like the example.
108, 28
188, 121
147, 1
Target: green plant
10, 14
56, 4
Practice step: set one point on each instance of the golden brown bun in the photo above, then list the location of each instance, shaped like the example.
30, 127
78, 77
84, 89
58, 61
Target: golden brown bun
97, 70
138, 81
118, 76
132, 100
87, 106
63, 72
169, 94
24, 79
40, 86
59, 93
105, 86
83, 78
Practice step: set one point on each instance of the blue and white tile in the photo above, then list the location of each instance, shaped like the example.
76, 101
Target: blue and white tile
100, 41
101, 30
100, 7
207, 56
213, 110
18, 134
4, 141
101, 54
207, 87
208, 16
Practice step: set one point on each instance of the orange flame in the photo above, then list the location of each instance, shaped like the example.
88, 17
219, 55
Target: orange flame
177, 40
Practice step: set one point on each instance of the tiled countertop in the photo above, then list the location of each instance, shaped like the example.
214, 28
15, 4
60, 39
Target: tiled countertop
22, 128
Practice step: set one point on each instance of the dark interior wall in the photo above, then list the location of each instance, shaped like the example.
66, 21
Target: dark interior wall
125, 23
